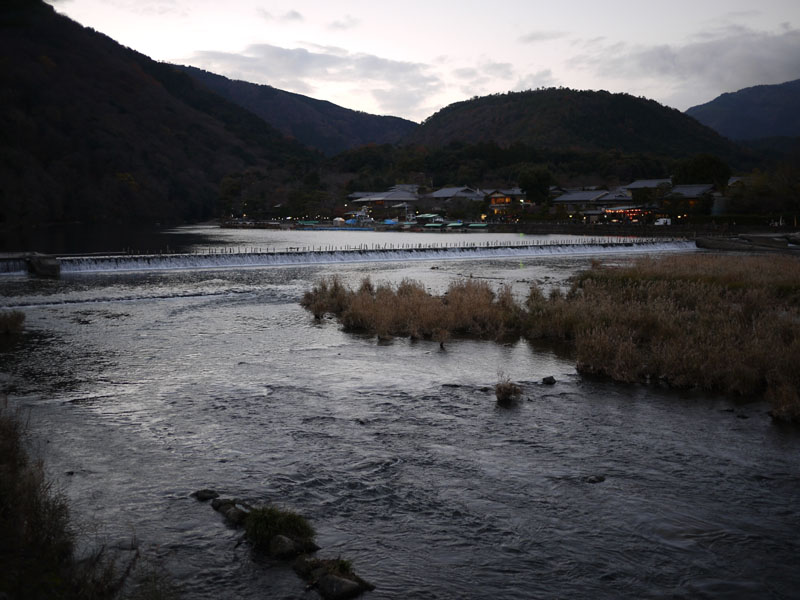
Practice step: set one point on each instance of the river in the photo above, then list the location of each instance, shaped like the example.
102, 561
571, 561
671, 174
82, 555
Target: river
145, 386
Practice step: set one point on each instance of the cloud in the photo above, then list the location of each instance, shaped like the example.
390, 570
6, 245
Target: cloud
723, 60
286, 17
541, 36
742, 14
397, 87
543, 78
141, 7
499, 70
345, 23
466, 73
482, 78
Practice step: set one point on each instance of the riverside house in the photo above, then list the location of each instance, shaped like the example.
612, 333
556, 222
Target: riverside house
503, 201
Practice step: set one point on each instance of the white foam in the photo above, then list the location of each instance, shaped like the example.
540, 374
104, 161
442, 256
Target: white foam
162, 262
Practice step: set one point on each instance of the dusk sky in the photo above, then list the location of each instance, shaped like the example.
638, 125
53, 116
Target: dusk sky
412, 58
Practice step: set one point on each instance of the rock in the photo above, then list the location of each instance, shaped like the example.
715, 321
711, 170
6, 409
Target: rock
222, 504
235, 515
549, 380
304, 566
204, 495
281, 546
332, 587
235, 512
595, 479
333, 578
308, 546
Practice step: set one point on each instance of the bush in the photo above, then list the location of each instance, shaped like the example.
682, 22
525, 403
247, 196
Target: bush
263, 524
506, 391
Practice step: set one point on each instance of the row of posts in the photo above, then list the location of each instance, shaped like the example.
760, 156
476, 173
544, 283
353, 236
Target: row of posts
386, 247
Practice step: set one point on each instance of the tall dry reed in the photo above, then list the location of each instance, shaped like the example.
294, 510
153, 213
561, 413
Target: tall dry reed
727, 324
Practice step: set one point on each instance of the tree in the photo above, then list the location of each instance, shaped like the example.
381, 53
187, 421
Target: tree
702, 168
536, 182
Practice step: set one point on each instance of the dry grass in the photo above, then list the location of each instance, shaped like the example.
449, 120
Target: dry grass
728, 324
506, 391
468, 308
720, 323
37, 543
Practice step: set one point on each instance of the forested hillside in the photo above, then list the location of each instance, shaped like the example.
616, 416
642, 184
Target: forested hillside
763, 111
565, 119
95, 132
316, 123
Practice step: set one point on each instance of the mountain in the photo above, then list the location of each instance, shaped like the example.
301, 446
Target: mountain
762, 111
92, 131
316, 123
565, 119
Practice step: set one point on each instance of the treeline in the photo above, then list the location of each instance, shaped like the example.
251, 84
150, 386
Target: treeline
322, 190
489, 164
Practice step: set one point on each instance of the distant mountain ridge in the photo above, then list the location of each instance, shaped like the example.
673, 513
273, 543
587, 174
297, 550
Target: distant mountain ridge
92, 131
565, 119
762, 111
316, 123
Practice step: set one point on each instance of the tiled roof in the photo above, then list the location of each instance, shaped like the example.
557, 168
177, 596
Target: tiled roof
692, 191
647, 183
581, 196
450, 192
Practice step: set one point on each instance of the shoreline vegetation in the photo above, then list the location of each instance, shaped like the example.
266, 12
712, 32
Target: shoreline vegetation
39, 542
722, 324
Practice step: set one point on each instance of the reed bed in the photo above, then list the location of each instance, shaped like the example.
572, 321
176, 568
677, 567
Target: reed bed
727, 324
468, 308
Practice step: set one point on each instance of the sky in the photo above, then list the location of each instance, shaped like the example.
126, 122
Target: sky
413, 57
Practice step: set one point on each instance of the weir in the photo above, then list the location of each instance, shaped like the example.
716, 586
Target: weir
253, 257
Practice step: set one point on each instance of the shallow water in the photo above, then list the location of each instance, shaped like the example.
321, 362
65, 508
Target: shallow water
146, 387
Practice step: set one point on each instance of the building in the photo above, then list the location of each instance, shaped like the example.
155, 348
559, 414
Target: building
578, 200
501, 201
397, 201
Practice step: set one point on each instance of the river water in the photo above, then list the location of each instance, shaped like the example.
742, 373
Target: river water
145, 386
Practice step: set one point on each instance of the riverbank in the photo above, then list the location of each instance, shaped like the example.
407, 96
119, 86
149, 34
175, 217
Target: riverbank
786, 243
38, 547
554, 227
722, 324
39, 540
